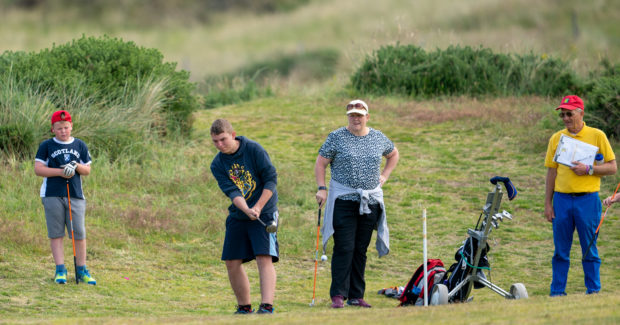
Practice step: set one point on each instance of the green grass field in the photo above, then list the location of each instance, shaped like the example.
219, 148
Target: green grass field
155, 227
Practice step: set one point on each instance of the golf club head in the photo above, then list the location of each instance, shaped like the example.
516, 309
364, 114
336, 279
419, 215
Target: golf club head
271, 227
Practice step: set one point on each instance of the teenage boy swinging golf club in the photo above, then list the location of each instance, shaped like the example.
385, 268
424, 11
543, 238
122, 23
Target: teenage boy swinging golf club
246, 175
62, 161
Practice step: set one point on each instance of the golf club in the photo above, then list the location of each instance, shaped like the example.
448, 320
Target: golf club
271, 227
72, 237
599, 226
316, 256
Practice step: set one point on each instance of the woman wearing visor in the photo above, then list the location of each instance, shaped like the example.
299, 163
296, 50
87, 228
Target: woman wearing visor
354, 204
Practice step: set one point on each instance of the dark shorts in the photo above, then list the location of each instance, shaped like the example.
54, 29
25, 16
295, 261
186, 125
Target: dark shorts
245, 239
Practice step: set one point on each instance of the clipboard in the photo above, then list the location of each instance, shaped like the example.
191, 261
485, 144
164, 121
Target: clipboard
570, 150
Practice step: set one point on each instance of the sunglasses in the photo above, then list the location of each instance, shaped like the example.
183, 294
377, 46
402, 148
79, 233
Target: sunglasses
356, 105
567, 114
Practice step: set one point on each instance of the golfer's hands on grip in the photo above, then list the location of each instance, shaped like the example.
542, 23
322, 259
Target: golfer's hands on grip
69, 169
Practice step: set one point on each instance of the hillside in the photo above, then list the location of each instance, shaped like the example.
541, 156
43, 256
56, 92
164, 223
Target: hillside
155, 226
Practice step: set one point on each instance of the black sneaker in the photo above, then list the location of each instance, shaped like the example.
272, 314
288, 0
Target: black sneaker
245, 309
265, 309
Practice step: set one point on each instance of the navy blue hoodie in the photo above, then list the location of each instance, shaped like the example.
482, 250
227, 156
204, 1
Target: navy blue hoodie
246, 173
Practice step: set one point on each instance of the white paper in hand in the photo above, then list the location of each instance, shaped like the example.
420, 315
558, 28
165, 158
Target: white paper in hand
570, 150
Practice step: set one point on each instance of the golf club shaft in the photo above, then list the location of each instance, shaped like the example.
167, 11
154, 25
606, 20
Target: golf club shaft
316, 256
72, 237
599, 225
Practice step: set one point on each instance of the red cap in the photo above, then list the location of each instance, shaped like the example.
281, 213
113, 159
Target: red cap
61, 116
571, 102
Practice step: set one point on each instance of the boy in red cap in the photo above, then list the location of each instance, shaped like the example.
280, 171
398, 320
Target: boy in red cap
572, 200
62, 160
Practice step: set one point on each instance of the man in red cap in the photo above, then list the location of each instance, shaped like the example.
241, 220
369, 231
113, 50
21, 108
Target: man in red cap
61, 161
572, 199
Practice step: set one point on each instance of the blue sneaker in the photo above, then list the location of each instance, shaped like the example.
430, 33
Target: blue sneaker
243, 310
61, 277
84, 276
265, 309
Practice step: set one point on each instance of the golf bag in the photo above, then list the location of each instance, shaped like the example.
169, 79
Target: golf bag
462, 268
414, 291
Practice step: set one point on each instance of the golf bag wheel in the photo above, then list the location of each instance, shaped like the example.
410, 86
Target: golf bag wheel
439, 295
518, 291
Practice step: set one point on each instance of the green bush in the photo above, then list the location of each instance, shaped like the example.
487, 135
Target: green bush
603, 101
408, 70
103, 70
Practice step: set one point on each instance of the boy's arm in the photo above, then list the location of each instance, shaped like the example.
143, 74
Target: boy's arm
264, 197
83, 169
242, 205
41, 170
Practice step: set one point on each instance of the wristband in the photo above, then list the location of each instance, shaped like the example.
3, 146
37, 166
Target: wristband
322, 188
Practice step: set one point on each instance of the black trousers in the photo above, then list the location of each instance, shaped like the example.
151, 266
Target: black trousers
352, 234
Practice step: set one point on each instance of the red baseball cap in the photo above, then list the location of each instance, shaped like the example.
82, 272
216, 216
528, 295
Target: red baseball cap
61, 115
571, 102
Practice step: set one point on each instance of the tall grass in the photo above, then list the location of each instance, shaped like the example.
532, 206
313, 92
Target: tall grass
121, 128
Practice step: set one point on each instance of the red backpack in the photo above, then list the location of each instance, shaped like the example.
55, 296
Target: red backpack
413, 294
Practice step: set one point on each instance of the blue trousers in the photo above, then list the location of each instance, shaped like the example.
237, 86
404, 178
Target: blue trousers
583, 213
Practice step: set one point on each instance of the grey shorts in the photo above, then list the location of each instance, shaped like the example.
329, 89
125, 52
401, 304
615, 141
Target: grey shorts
57, 217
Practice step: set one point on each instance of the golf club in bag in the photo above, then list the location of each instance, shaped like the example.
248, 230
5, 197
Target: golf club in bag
72, 237
472, 256
273, 225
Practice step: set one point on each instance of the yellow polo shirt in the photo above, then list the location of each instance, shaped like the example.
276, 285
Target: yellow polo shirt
567, 181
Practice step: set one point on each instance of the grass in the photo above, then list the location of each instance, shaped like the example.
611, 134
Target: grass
155, 229
356, 28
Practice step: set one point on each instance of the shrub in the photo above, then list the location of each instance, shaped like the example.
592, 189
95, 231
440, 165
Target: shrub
103, 70
122, 130
603, 101
411, 71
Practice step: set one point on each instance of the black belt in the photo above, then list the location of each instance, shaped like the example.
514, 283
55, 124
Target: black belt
578, 194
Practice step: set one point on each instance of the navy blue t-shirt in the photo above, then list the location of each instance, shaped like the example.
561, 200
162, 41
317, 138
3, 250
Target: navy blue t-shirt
55, 154
246, 173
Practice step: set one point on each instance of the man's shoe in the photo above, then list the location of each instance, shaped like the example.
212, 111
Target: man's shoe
243, 310
337, 302
61, 277
358, 303
86, 278
265, 309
